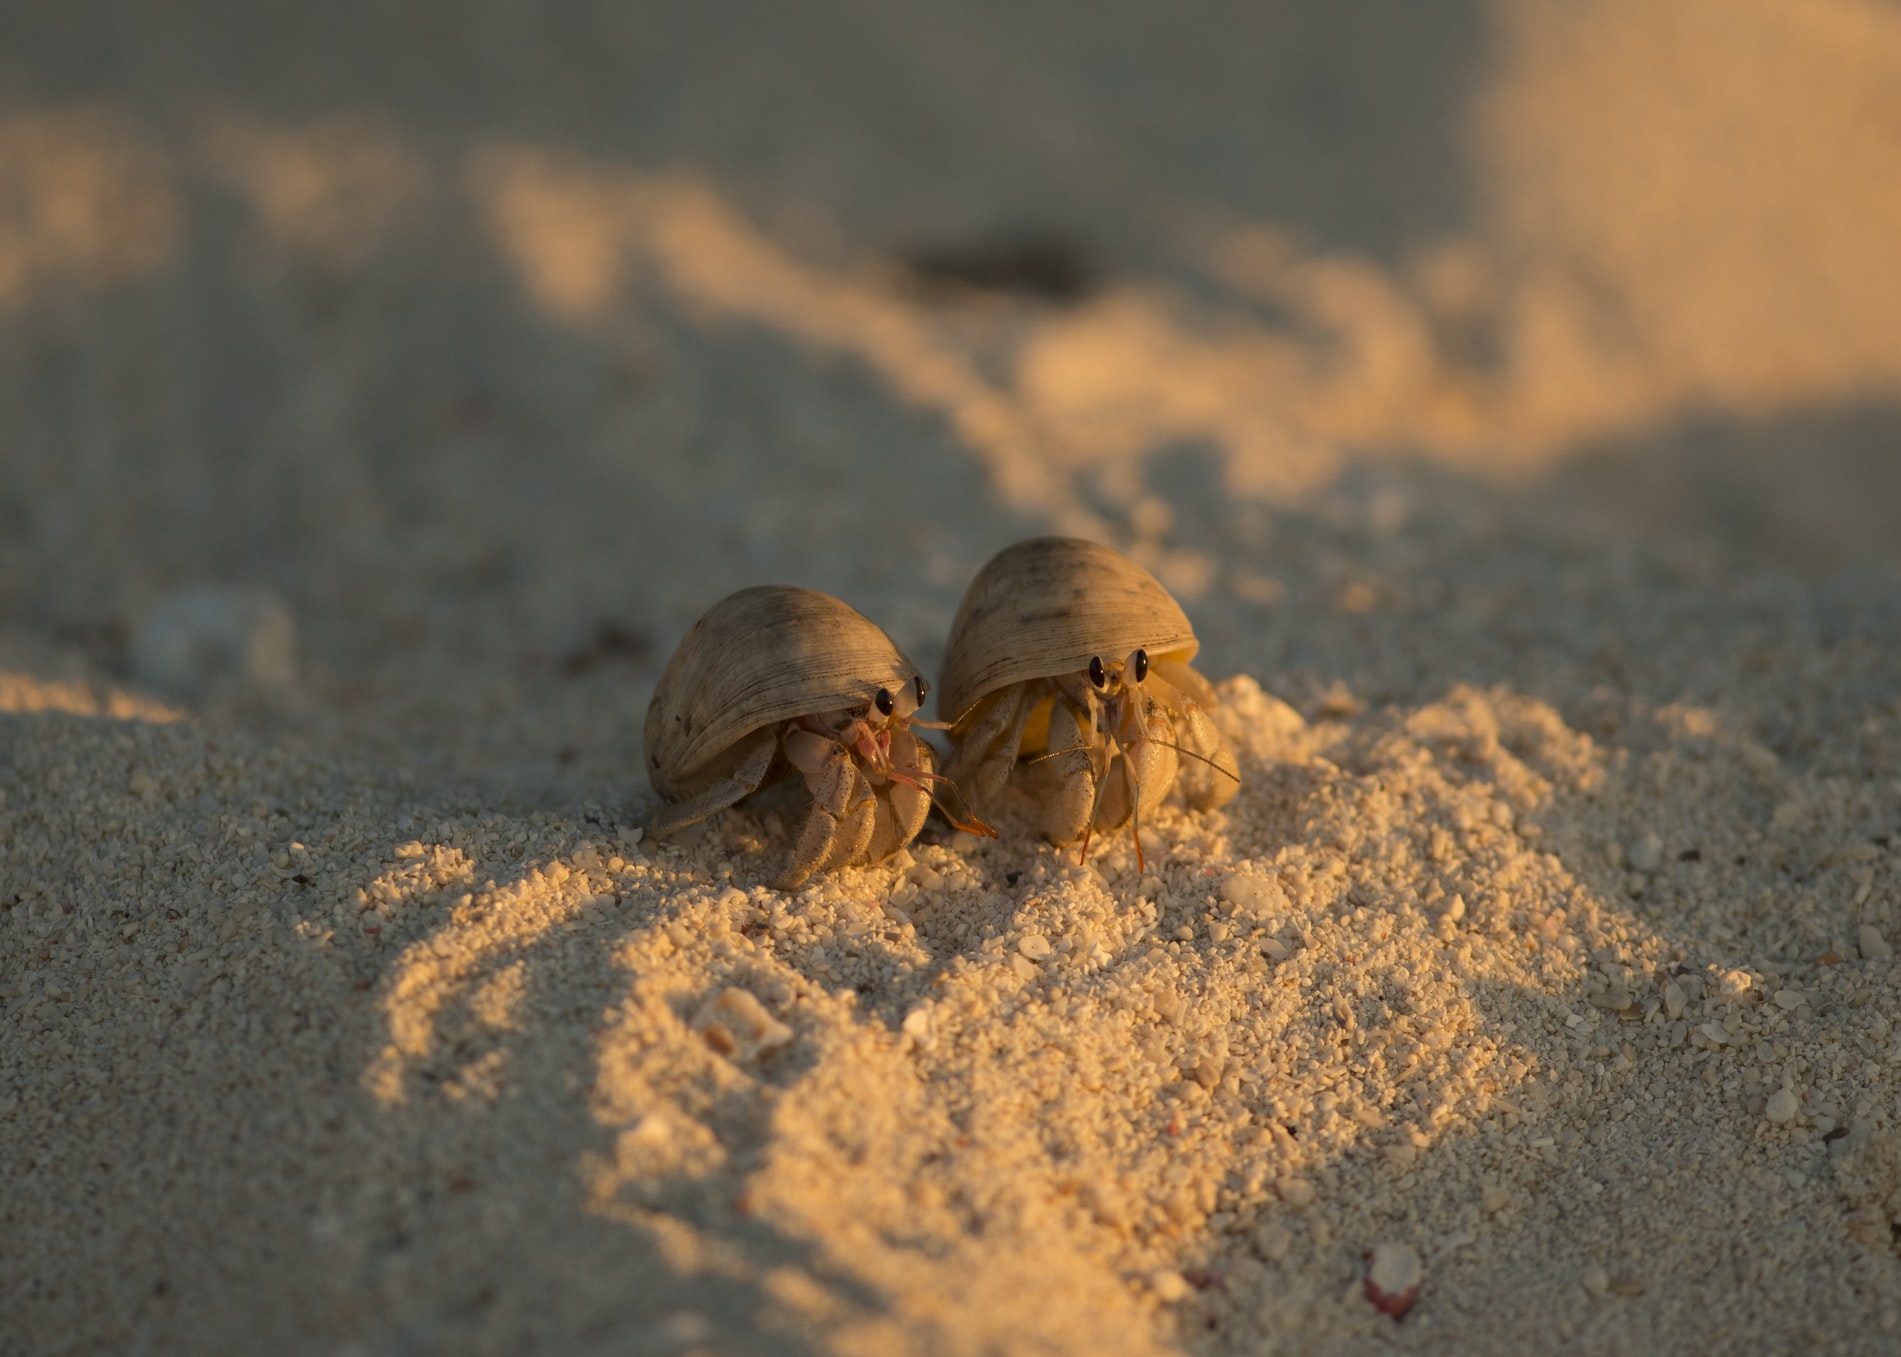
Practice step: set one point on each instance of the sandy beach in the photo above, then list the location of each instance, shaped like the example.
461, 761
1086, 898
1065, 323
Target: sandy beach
1510, 395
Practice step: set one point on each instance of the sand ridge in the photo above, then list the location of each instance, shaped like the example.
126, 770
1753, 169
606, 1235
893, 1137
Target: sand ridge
1022, 1103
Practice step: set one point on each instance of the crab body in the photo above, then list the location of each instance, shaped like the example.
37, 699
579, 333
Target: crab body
1068, 669
777, 682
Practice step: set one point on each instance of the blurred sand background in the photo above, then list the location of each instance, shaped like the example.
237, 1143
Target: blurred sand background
1511, 394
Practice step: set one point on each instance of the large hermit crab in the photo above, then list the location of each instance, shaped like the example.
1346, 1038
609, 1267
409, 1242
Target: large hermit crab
1072, 658
778, 681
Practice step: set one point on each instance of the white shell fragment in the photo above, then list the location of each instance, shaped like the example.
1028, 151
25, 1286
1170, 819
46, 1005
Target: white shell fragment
736, 1024
1296, 1192
1394, 1275
217, 640
1169, 1286
1256, 897
920, 1029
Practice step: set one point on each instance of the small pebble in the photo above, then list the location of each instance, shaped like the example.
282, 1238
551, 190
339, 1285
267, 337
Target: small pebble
1595, 1280
1790, 998
1337, 701
205, 641
1259, 897
1169, 1286
1272, 1242
686, 1327
737, 1024
1035, 946
1296, 1192
1674, 1000
1645, 852
1782, 1106
1871, 944
1393, 1277
652, 1129
920, 1028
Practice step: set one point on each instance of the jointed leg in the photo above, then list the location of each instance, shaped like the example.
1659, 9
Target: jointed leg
985, 754
1068, 781
840, 825
1209, 775
744, 780
902, 806
1140, 778
851, 841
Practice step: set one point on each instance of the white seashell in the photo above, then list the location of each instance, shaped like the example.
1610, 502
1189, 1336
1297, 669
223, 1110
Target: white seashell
1048, 606
1071, 657
205, 641
774, 681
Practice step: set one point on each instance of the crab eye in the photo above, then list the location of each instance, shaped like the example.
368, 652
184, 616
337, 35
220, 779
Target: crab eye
1096, 676
1141, 665
886, 703
922, 689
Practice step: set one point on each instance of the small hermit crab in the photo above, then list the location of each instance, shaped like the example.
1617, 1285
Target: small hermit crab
1072, 657
774, 681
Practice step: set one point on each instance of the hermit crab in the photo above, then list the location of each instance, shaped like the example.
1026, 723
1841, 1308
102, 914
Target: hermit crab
1072, 658
777, 681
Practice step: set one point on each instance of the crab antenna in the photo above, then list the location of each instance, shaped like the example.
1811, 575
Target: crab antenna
956, 720
928, 784
1135, 812
1052, 753
973, 826
933, 725
1203, 758
1095, 804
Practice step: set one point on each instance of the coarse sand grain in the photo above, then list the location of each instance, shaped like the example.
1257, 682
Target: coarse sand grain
298, 1056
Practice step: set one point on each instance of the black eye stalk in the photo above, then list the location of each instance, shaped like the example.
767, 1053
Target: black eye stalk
1100, 676
886, 703
922, 689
